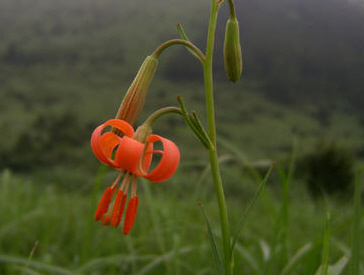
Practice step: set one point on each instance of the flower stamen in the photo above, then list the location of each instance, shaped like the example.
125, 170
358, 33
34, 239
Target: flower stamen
118, 208
134, 186
125, 183
130, 214
104, 203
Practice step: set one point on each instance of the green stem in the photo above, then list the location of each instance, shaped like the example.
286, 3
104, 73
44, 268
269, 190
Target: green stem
232, 8
210, 112
145, 130
188, 44
160, 112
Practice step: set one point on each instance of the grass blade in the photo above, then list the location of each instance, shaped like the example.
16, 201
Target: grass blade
324, 268
90, 221
215, 252
163, 258
339, 266
356, 238
247, 211
240, 155
37, 265
295, 258
248, 258
27, 271
113, 260
31, 255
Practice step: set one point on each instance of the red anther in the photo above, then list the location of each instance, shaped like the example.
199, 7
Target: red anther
118, 209
105, 220
104, 203
130, 214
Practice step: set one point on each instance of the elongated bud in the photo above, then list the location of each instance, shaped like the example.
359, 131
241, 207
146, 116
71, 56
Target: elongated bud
232, 50
134, 98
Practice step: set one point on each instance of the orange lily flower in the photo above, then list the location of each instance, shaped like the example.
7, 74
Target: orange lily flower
133, 159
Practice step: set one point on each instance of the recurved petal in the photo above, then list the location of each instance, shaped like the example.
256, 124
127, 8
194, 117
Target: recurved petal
168, 162
103, 144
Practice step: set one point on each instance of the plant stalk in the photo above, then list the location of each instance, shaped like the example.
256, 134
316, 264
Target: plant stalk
210, 113
171, 42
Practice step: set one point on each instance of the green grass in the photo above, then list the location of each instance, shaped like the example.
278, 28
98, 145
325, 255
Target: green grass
170, 235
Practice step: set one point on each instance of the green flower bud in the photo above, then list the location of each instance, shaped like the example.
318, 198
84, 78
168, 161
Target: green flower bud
232, 50
134, 98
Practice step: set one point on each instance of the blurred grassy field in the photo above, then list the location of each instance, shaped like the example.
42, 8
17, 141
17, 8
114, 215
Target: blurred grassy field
170, 235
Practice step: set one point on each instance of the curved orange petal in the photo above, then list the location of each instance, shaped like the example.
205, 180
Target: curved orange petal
109, 141
169, 161
96, 145
128, 154
121, 125
103, 144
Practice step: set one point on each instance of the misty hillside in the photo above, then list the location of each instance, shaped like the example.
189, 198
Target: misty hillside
296, 47
302, 55
297, 50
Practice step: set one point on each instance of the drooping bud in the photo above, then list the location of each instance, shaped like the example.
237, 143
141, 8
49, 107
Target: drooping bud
134, 98
232, 50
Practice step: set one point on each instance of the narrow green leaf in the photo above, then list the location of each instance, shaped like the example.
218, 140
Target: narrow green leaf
339, 266
215, 252
192, 124
335, 269
182, 32
153, 259
183, 35
27, 271
18, 221
93, 203
160, 259
241, 156
356, 237
294, 261
198, 124
31, 255
51, 269
266, 250
249, 259
283, 218
250, 206
324, 267
115, 259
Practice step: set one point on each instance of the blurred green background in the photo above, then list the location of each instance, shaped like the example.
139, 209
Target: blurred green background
65, 66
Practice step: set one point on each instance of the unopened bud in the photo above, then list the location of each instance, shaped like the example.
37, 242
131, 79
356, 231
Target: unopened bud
134, 98
232, 50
